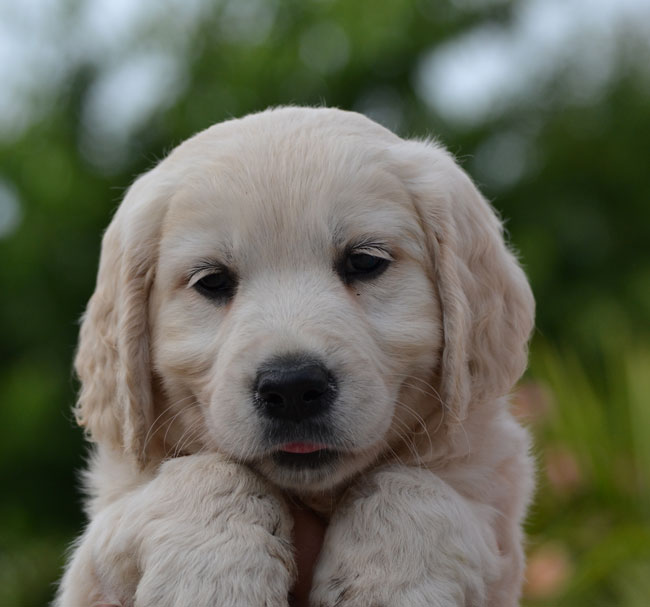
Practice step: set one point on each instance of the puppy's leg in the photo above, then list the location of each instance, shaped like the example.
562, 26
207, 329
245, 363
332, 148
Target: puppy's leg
405, 537
202, 532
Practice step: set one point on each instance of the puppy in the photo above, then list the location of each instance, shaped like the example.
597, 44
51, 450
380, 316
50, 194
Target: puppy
300, 305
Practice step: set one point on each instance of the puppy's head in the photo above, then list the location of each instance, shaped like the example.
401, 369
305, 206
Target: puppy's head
299, 290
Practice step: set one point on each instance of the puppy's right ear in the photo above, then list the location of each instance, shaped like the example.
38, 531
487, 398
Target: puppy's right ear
115, 403
487, 305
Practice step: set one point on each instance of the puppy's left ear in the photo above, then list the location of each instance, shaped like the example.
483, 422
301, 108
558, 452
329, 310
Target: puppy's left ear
487, 303
115, 403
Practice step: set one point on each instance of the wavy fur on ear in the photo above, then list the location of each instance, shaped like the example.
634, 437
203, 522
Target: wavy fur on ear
488, 307
115, 403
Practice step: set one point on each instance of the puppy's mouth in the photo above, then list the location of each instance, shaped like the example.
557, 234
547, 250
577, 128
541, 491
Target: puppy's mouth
304, 455
302, 447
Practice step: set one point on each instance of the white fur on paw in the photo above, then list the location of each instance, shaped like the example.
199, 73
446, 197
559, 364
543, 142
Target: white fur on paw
241, 555
404, 538
245, 566
357, 590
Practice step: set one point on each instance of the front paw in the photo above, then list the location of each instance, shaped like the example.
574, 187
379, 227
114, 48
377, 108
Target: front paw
355, 583
233, 548
202, 533
241, 565
359, 590
404, 538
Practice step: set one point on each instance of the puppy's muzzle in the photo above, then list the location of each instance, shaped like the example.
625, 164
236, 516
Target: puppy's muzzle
294, 389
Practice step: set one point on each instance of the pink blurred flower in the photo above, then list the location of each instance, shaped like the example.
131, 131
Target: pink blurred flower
562, 469
548, 571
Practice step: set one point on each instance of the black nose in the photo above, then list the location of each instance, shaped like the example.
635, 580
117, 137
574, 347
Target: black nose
294, 388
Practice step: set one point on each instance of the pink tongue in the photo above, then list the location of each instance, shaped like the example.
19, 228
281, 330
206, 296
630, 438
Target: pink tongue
301, 447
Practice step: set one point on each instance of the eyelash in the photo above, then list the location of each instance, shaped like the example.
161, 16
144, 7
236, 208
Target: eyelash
378, 257
214, 282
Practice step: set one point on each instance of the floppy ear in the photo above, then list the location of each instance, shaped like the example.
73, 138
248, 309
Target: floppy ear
115, 403
487, 303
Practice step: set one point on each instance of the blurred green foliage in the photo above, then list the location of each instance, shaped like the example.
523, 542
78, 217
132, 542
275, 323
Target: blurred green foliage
589, 528
577, 212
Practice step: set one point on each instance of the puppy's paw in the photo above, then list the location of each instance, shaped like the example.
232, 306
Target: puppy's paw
357, 589
233, 548
202, 533
240, 566
403, 537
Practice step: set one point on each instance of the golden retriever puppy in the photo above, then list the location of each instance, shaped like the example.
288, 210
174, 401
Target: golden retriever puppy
300, 305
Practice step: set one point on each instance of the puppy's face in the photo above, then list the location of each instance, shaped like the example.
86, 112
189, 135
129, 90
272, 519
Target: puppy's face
292, 301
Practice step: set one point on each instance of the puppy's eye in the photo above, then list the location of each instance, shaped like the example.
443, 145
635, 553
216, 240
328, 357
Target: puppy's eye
216, 285
362, 266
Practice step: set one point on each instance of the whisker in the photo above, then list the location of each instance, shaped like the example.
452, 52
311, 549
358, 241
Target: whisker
152, 428
432, 391
404, 432
446, 409
192, 432
408, 443
393, 452
188, 432
171, 420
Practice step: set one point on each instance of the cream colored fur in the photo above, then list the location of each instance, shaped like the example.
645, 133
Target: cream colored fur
186, 507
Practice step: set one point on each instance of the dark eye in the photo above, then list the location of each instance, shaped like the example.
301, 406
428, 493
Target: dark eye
361, 266
219, 285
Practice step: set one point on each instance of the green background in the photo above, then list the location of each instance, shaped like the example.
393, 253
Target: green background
565, 162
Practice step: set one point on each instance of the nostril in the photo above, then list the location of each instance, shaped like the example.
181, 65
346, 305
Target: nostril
272, 398
312, 395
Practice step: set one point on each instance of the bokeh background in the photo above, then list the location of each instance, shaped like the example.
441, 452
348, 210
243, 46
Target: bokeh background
546, 103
